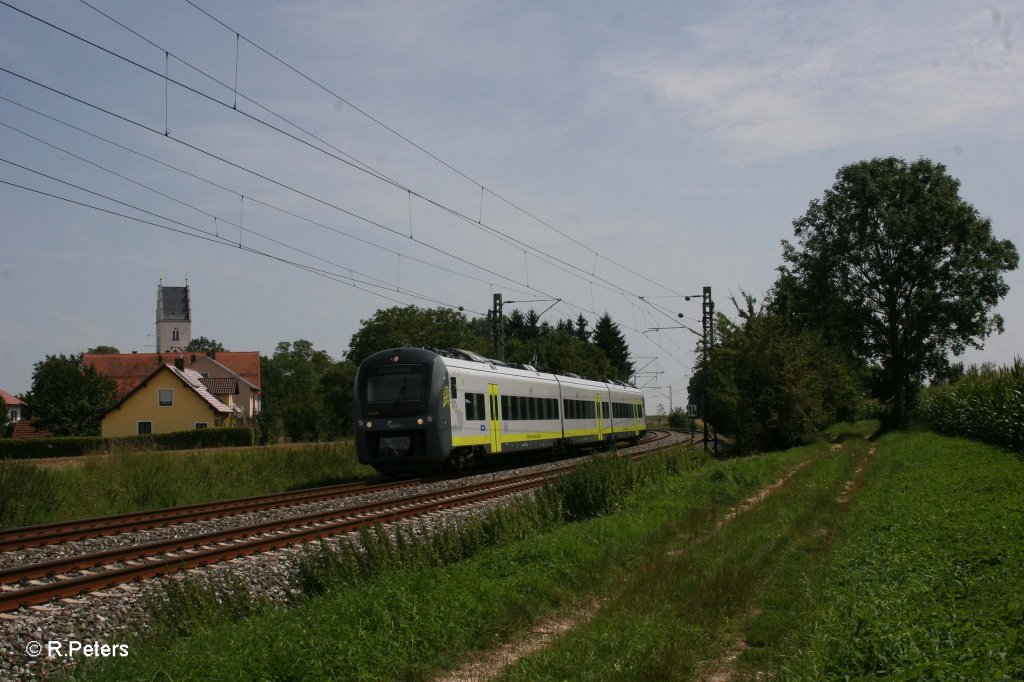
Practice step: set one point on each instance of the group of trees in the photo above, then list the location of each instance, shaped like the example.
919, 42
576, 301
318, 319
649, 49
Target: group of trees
892, 273
307, 394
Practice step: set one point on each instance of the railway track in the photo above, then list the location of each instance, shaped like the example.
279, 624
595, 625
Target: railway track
38, 583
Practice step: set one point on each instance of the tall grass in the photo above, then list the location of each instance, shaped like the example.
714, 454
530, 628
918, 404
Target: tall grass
598, 487
987, 404
130, 481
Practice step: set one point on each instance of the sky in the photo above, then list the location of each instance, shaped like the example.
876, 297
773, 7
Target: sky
304, 164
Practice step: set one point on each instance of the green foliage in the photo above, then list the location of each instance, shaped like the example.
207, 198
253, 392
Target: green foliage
609, 339
677, 419
27, 492
596, 488
771, 385
307, 395
204, 345
183, 606
126, 481
76, 446
925, 584
412, 326
68, 399
895, 266
986, 404
103, 350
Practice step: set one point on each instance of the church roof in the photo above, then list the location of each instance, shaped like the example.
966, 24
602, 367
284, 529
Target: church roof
174, 304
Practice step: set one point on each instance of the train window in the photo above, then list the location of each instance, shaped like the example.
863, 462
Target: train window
475, 407
455, 392
532, 403
395, 383
604, 410
504, 407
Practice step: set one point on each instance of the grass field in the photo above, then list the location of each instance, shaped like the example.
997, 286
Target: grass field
131, 481
899, 559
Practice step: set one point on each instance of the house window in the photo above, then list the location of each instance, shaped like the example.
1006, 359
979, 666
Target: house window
202, 425
174, 336
166, 397
145, 428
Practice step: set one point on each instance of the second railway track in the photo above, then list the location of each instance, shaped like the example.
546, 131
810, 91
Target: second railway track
37, 583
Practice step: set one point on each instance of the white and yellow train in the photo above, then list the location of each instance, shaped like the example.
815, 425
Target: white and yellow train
417, 408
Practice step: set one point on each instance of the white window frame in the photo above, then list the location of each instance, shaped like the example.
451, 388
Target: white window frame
159, 397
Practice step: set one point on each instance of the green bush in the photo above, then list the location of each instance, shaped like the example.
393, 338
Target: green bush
677, 419
76, 446
987, 404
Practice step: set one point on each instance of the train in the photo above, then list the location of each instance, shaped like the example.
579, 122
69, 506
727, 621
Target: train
425, 409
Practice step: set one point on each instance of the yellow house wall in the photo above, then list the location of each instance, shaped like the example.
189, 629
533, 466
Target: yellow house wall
144, 405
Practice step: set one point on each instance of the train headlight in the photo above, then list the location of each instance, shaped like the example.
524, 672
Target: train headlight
369, 425
419, 422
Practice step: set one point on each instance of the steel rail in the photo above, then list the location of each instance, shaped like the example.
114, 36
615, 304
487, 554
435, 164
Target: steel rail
299, 529
79, 529
211, 548
25, 537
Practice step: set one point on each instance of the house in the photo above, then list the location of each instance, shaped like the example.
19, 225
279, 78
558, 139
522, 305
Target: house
14, 407
128, 370
170, 398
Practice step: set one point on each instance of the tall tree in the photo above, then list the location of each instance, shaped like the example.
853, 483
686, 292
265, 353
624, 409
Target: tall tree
581, 332
413, 326
609, 338
68, 399
772, 384
293, 391
899, 269
204, 345
104, 350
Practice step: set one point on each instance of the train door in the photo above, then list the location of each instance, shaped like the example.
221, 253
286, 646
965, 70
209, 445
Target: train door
600, 421
636, 417
495, 404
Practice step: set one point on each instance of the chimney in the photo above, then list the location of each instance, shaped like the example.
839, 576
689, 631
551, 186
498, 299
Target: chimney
179, 362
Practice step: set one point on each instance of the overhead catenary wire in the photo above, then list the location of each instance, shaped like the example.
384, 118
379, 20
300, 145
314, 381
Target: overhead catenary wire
611, 286
199, 233
236, 192
377, 121
279, 183
359, 165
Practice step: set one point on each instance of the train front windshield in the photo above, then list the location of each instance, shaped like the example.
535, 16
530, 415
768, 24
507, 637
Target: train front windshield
396, 384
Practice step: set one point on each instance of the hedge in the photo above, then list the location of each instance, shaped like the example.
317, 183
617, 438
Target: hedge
27, 448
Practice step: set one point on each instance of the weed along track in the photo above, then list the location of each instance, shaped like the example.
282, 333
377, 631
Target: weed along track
34, 583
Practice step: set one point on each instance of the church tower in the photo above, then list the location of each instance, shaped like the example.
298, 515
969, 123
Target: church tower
173, 318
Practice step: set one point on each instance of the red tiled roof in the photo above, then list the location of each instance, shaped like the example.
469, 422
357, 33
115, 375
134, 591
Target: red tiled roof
130, 369
9, 399
24, 429
221, 386
190, 378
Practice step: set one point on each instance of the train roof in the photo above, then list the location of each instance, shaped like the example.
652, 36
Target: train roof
470, 356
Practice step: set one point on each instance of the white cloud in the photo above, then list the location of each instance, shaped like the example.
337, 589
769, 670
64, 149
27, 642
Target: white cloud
789, 84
